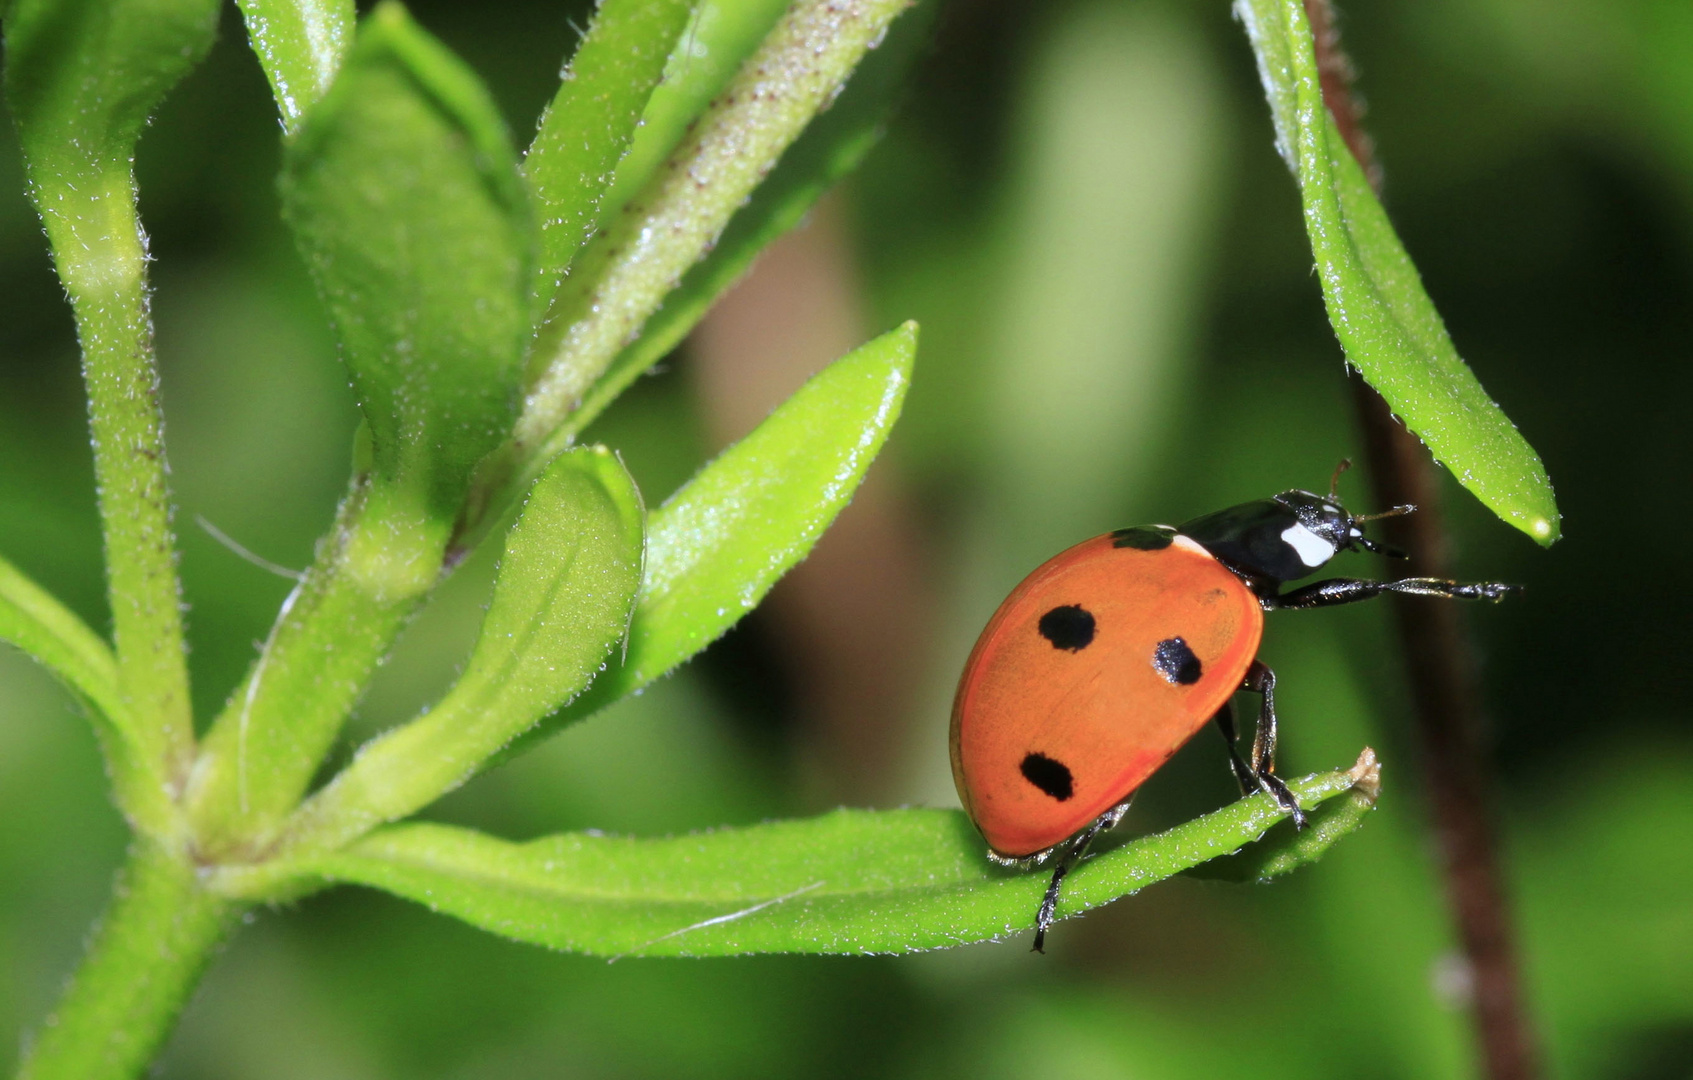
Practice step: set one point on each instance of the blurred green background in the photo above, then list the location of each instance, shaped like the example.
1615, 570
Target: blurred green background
1080, 202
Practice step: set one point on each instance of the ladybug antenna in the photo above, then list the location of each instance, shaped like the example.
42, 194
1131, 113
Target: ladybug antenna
1334, 481
1381, 549
1397, 511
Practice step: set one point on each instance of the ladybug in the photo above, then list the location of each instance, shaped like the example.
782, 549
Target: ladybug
1113, 654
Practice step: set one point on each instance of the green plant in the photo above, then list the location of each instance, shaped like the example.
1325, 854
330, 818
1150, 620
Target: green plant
487, 311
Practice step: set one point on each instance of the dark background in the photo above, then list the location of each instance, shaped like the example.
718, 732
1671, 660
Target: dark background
1081, 204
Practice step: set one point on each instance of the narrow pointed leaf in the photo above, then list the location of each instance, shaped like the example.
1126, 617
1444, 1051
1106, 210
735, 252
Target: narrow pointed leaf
852, 881
830, 148
718, 38
1384, 319
720, 542
619, 279
594, 117
562, 600
833, 146
32, 619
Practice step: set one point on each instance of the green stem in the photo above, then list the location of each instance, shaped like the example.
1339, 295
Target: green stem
372, 573
623, 276
144, 960
101, 252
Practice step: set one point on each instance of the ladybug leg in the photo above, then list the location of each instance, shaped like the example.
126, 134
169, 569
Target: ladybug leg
1351, 590
1262, 681
1243, 774
1078, 850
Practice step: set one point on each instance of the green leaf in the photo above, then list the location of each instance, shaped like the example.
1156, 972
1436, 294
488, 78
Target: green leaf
723, 539
83, 76
594, 117
32, 619
831, 148
300, 44
852, 881
621, 277
720, 35
1384, 319
403, 192
562, 601
1328, 823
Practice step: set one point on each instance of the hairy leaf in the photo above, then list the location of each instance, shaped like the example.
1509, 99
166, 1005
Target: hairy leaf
719, 36
720, 542
851, 881
622, 277
1386, 322
831, 148
594, 117
402, 189
83, 76
32, 619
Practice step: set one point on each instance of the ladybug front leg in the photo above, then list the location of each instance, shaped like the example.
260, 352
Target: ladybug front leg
1351, 590
1262, 681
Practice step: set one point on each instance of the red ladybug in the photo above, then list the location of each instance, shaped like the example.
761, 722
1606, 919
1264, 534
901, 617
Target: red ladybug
1112, 655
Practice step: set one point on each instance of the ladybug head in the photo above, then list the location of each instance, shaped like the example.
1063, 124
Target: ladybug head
1326, 517
1285, 538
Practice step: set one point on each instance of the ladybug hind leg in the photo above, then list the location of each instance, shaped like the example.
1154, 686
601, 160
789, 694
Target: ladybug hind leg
1261, 680
1077, 852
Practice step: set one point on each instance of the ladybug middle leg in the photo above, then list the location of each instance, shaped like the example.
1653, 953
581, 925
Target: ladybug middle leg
1261, 680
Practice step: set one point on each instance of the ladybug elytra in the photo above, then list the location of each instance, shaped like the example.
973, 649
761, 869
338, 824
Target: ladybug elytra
1114, 653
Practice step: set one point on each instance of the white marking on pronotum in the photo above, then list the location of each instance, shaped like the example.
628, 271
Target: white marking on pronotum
1313, 550
731, 917
1188, 543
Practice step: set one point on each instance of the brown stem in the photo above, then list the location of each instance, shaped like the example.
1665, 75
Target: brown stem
1444, 691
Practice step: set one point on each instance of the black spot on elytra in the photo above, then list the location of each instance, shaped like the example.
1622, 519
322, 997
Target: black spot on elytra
1176, 662
1143, 538
1052, 777
1068, 627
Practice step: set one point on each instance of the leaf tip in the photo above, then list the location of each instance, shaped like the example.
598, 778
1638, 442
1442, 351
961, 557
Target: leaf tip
902, 340
905, 338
